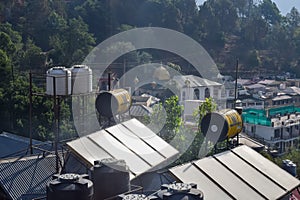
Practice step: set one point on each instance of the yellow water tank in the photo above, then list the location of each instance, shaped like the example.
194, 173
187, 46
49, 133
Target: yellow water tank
112, 103
218, 126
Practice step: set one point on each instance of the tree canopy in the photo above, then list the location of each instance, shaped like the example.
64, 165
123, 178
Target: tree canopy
36, 35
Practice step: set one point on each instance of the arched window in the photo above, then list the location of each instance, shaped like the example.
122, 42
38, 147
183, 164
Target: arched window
196, 93
206, 93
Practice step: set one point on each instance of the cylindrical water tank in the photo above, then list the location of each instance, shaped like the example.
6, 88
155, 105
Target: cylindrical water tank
82, 79
70, 187
110, 178
180, 191
290, 167
222, 124
111, 103
62, 77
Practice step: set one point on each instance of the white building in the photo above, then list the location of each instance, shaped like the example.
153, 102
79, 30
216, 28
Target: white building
280, 132
196, 88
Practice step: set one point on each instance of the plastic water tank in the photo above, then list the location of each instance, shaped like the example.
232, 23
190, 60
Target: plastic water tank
290, 167
82, 78
62, 78
110, 177
70, 187
111, 103
180, 191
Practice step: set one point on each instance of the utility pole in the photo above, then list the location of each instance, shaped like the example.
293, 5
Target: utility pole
30, 112
235, 87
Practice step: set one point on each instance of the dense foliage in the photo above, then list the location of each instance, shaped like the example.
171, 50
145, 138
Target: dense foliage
35, 35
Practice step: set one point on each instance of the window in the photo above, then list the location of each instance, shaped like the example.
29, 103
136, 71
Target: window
196, 93
277, 133
206, 93
183, 95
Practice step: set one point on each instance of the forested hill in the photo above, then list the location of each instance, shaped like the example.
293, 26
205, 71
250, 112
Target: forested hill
38, 34
256, 34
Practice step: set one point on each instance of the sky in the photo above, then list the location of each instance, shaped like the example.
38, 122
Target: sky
284, 5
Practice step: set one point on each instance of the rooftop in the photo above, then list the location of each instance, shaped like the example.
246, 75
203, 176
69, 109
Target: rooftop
131, 141
193, 81
14, 145
26, 177
264, 117
240, 173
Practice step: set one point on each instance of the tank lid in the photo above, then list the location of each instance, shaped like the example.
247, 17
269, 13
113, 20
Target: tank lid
69, 177
179, 187
57, 68
79, 66
135, 197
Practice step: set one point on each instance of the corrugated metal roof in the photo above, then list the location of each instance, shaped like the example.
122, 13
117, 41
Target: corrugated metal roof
255, 86
194, 81
13, 145
282, 97
241, 173
138, 110
131, 141
26, 177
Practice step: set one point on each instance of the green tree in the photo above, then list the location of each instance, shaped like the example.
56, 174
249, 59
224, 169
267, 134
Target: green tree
270, 12
167, 116
5, 101
207, 106
72, 43
33, 58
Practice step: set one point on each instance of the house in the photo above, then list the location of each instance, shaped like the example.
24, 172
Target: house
278, 128
196, 88
255, 88
252, 103
293, 82
294, 92
140, 111
244, 82
270, 83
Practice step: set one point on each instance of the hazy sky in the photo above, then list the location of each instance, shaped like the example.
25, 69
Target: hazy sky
284, 5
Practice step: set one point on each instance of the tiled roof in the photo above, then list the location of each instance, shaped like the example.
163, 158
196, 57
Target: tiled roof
194, 81
26, 177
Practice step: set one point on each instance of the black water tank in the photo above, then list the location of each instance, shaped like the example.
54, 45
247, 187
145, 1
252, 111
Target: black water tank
180, 191
70, 187
110, 177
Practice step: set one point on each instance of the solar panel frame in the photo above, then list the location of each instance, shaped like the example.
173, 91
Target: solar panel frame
126, 142
135, 144
268, 168
189, 173
150, 138
227, 179
261, 183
